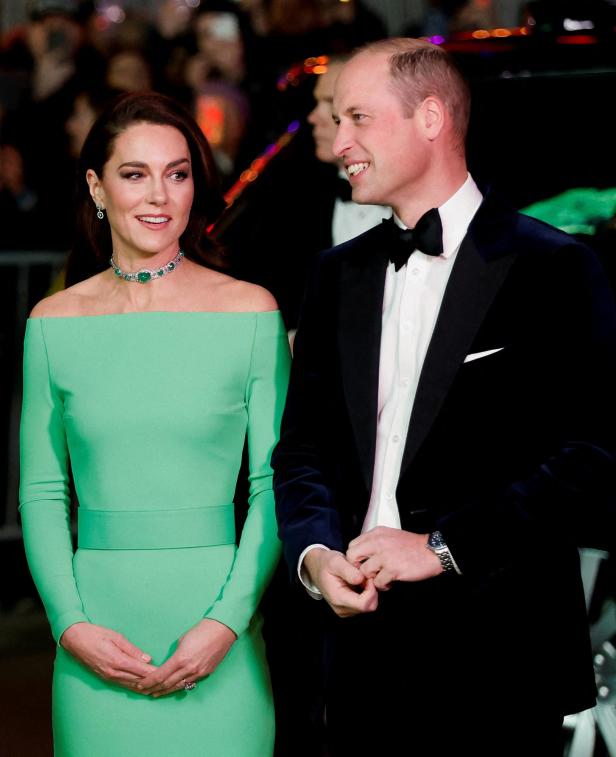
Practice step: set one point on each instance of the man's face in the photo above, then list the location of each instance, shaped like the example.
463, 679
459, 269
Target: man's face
384, 153
323, 126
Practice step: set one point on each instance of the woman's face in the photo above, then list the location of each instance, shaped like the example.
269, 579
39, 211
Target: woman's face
146, 190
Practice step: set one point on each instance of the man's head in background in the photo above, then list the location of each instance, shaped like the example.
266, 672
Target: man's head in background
323, 126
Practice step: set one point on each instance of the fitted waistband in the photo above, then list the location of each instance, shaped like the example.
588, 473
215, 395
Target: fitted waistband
156, 529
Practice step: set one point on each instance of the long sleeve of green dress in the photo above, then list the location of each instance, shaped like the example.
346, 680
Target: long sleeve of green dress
258, 552
44, 495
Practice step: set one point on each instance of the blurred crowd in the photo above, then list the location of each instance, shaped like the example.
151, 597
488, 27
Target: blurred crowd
221, 59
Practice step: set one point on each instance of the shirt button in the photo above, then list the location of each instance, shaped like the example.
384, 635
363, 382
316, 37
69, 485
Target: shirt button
389, 496
415, 271
405, 381
395, 438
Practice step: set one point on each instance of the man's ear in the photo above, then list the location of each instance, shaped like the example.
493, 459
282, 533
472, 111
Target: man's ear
96, 188
432, 117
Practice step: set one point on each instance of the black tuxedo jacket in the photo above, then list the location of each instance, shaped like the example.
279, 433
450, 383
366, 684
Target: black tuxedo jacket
510, 455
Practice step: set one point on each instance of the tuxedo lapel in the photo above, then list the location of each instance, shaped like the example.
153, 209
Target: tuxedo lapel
479, 271
362, 283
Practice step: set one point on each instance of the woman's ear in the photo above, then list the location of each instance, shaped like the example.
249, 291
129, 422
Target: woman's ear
96, 188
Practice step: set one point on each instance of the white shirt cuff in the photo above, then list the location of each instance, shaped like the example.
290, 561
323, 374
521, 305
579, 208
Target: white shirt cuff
303, 574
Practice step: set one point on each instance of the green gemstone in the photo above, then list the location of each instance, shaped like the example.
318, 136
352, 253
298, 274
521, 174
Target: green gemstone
144, 276
117, 272
126, 276
160, 272
171, 266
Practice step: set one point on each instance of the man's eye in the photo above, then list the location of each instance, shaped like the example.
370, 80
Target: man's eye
358, 116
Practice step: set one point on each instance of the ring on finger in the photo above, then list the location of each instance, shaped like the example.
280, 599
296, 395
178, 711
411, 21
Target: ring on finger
188, 685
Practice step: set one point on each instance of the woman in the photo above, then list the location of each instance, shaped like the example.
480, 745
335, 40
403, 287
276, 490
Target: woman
146, 378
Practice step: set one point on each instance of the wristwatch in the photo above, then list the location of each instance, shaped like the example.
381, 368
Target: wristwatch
437, 544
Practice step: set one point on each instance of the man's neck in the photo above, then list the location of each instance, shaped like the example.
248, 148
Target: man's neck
436, 188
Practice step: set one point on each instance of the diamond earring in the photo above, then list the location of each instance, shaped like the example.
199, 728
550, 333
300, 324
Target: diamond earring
99, 213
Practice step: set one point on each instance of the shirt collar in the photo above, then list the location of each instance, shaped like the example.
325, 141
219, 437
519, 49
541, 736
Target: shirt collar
456, 215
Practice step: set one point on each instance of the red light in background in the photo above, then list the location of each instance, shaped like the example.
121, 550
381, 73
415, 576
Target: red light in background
211, 118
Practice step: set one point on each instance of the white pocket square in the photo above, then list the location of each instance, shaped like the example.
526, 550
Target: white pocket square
477, 355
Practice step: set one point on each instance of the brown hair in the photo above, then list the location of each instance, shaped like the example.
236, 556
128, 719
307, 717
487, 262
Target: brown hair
419, 69
92, 245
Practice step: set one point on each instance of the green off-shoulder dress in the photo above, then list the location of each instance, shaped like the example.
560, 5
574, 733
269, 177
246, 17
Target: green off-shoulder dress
152, 410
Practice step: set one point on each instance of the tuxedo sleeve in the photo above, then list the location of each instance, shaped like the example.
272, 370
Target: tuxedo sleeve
569, 495
305, 499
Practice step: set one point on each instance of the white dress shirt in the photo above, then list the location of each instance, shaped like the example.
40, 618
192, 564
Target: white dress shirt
351, 219
411, 303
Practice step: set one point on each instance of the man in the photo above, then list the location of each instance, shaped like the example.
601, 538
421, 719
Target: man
448, 438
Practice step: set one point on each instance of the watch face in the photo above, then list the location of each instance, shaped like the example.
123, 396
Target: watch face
436, 541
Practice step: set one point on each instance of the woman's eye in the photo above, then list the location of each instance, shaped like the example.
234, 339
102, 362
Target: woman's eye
179, 175
132, 175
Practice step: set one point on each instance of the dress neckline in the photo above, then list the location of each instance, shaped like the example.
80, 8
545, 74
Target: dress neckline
152, 312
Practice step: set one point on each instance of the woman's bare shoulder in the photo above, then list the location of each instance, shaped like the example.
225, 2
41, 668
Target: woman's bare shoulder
75, 300
252, 297
232, 294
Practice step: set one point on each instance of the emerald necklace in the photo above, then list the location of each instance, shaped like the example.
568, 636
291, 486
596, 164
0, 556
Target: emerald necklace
143, 275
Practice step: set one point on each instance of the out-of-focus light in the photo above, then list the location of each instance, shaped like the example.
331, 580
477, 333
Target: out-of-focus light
101, 23
193, 3
577, 39
345, 1
573, 25
257, 166
319, 70
211, 119
524, 31
115, 14
481, 34
501, 33
437, 39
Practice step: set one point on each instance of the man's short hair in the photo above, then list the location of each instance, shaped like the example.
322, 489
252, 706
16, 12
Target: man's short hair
419, 69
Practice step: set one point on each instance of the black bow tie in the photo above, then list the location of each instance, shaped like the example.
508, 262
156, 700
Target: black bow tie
427, 236
344, 191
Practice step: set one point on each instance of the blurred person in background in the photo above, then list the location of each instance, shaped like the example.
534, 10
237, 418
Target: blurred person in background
58, 65
220, 33
128, 71
19, 204
87, 107
311, 193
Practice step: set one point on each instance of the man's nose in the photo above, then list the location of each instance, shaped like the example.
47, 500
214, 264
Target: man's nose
342, 141
312, 116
